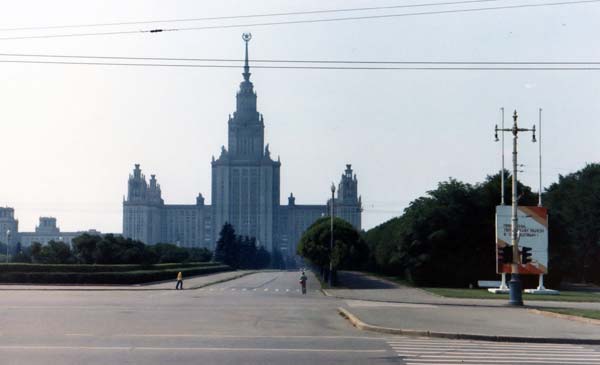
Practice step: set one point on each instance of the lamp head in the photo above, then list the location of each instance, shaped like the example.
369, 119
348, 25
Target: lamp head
533, 136
332, 187
496, 133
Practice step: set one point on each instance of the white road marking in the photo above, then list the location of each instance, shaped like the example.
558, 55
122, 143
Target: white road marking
266, 289
79, 334
276, 289
136, 348
243, 289
287, 290
232, 289
440, 351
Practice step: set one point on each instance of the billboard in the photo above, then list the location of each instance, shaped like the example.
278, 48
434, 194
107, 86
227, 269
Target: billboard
533, 233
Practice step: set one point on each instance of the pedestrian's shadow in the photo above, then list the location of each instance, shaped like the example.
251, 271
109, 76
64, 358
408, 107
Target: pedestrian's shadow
355, 280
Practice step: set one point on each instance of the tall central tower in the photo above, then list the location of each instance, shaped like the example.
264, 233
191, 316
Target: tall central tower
245, 180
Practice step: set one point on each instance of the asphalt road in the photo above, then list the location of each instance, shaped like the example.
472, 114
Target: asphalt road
257, 319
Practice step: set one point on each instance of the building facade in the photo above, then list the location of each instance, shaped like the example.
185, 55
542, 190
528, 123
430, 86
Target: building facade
245, 192
46, 230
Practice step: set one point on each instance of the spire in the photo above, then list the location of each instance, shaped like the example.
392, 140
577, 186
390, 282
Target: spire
246, 37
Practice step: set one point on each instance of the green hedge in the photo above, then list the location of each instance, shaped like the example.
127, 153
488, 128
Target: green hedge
115, 277
74, 268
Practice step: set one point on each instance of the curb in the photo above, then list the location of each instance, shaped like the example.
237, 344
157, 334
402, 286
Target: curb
569, 317
132, 288
356, 322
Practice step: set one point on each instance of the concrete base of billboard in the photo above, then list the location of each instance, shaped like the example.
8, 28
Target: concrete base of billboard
542, 291
498, 290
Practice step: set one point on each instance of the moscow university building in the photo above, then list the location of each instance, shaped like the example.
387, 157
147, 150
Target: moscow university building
245, 192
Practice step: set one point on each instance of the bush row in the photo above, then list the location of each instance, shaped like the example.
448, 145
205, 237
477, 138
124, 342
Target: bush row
81, 268
128, 277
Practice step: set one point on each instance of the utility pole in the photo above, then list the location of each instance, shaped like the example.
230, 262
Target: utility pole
7, 241
502, 201
516, 288
540, 154
331, 238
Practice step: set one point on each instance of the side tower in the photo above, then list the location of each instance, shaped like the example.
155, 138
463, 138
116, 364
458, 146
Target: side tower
348, 204
142, 208
8, 223
245, 180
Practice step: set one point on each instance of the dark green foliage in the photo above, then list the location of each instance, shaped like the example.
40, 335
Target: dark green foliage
349, 250
277, 261
228, 247
248, 252
574, 203
240, 252
156, 273
85, 268
84, 248
168, 252
445, 238
199, 254
263, 258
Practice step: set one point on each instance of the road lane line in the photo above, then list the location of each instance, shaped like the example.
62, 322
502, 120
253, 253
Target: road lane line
242, 336
142, 348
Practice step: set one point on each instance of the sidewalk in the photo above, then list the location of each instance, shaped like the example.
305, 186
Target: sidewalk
361, 286
194, 282
384, 306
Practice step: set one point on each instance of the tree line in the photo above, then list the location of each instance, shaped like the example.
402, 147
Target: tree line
447, 236
110, 250
242, 252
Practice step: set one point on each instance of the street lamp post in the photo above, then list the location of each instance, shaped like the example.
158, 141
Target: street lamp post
331, 238
515, 293
7, 240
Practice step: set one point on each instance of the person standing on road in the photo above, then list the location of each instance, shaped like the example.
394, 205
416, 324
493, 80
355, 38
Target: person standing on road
303, 279
179, 281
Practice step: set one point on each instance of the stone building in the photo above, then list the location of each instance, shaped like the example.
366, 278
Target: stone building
245, 192
46, 231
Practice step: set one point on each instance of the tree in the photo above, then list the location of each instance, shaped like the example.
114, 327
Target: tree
445, 238
574, 208
349, 251
248, 252
263, 258
277, 261
84, 247
199, 254
228, 247
35, 250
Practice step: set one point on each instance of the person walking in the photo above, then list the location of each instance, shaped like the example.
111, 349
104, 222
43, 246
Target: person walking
303, 279
179, 281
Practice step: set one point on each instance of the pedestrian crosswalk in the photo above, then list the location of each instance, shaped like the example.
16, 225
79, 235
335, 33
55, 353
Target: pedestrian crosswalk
254, 290
420, 351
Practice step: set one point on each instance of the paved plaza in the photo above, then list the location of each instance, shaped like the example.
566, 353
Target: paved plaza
259, 318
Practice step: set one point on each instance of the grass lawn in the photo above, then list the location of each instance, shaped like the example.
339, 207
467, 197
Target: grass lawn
586, 313
565, 296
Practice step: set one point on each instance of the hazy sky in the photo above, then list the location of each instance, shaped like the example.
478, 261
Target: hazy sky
70, 134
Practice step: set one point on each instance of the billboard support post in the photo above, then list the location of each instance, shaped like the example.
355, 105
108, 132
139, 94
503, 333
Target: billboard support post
515, 288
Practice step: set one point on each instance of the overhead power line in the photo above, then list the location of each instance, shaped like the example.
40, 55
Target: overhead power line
369, 68
276, 61
303, 21
294, 13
